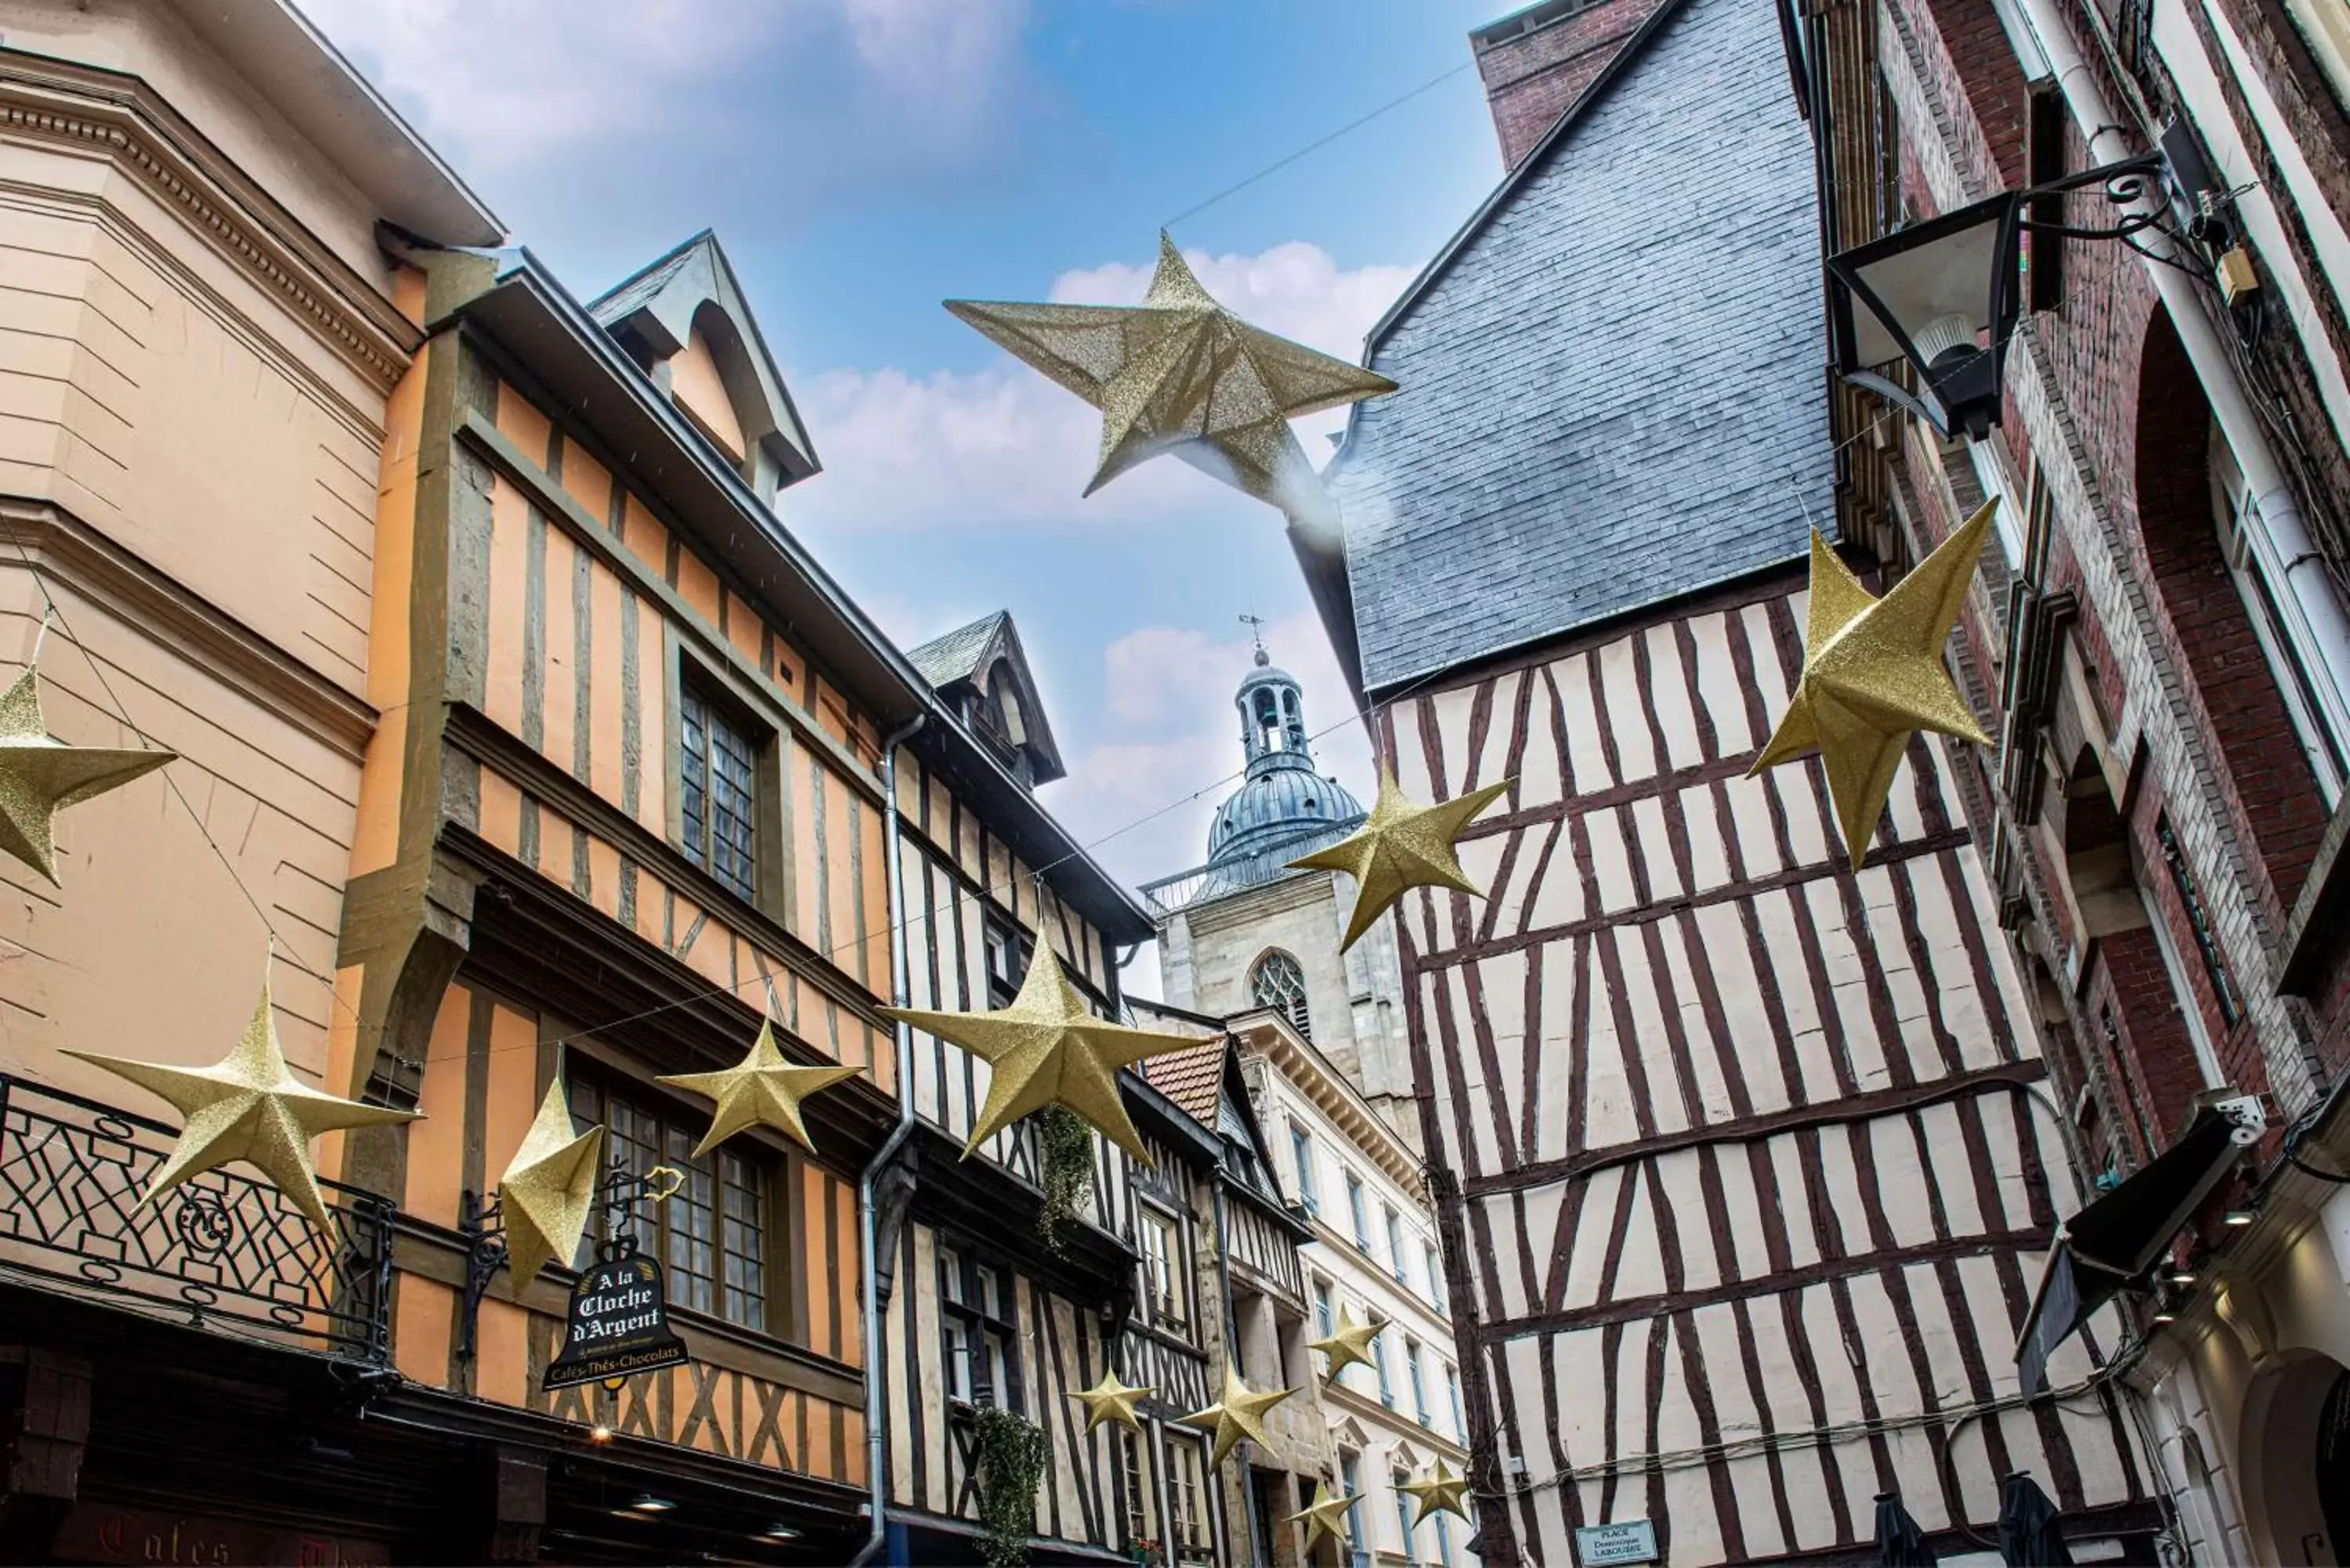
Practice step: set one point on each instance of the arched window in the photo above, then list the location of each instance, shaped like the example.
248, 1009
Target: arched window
1277, 982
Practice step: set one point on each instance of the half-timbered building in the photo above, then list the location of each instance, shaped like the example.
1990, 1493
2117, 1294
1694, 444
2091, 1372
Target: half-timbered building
1742, 1159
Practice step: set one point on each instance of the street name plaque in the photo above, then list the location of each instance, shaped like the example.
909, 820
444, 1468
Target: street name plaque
617, 1325
1634, 1541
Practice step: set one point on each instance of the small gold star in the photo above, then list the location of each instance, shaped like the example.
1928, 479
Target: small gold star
1400, 846
1441, 1492
1326, 1515
1047, 1048
548, 1189
1111, 1400
40, 777
249, 1106
1873, 672
1180, 373
1349, 1344
1239, 1414
761, 1090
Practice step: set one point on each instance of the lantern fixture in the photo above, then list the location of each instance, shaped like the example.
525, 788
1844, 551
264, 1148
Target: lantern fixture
1941, 297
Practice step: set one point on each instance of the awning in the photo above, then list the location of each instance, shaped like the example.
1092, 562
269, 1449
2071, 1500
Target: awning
2114, 1239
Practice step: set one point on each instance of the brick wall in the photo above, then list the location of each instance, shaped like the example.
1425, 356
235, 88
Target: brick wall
1531, 77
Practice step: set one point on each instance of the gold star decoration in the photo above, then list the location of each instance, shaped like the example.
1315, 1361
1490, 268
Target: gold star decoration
1180, 373
40, 777
1111, 1400
1048, 1049
1326, 1515
1873, 672
1441, 1492
761, 1090
1399, 847
548, 1189
247, 1107
1240, 1413
1349, 1344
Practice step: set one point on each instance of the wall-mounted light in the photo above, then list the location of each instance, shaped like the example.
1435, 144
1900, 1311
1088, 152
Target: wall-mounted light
2237, 1217
645, 1503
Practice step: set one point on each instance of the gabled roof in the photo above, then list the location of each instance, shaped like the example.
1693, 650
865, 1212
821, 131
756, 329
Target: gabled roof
1190, 1078
962, 658
962, 653
659, 306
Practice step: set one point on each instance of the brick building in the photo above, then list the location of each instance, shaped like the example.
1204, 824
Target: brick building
2158, 642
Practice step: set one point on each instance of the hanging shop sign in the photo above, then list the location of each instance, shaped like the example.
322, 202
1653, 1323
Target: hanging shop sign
1634, 1540
616, 1326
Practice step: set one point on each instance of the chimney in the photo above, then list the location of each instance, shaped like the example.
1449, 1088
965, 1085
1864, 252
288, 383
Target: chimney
1537, 61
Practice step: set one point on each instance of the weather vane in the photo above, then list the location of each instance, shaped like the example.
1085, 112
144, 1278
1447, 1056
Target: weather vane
1256, 623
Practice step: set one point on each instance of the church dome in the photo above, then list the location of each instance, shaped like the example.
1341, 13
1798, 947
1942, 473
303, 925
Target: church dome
1283, 799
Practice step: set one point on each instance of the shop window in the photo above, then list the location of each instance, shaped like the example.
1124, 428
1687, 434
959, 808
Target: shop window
1277, 981
979, 1321
711, 1236
718, 781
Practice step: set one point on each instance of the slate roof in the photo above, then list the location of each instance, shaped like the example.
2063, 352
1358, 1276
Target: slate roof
1192, 1079
1611, 394
943, 660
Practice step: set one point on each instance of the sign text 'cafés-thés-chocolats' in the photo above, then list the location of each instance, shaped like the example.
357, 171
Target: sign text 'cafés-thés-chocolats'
617, 1325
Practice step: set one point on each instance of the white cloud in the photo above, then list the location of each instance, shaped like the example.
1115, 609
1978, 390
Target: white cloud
1005, 447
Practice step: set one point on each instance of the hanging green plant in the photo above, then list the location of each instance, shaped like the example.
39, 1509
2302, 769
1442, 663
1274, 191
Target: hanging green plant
1010, 1454
1064, 1169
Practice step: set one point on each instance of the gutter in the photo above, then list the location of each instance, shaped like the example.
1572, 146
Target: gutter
877, 1403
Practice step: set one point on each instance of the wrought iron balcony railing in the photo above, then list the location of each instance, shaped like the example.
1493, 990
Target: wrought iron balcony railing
223, 1250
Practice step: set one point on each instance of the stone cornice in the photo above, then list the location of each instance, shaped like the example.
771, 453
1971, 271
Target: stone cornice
1302, 1064
120, 118
72, 553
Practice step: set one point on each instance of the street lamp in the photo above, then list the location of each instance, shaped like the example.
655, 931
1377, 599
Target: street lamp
1942, 296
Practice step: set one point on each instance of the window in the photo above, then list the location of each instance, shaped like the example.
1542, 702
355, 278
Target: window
1323, 1321
1007, 963
718, 772
1141, 1513
1443, 1543
1395, 1246
1279, 983
1419, 1388
1403, 1509
1301, 1149
979, 1322
1362, 1219
1453, 1394
1380, 1356
1436, 1280
1193, 1540
1162, 1263
711, 1236
1350, 1478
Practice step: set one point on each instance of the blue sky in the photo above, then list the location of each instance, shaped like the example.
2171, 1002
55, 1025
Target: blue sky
863, 160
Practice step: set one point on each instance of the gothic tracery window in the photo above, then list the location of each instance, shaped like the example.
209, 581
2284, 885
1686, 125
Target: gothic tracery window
1276, 981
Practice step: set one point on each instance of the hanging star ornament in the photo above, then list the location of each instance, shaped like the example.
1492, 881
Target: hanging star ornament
1048, 1049
762, 1090
1111, 1400
1240, 1413
1180, 373
247, 1107
1326, 1515
1441, 1492
1400, 846
1873, 672
1349, 1344
40, 777
548, 1189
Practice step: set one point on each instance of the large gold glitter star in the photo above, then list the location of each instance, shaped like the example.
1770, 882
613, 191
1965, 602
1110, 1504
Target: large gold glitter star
1180, 373
548, 1189
249, 1106
1326, 1515
1046, 1049
1441, 1492
1240, 1413
1873, 672
1111, 1400
1349, 1344
40, 777
762, 1090
1400, 846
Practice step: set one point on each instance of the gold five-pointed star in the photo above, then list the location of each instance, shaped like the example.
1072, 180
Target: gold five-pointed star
1047, 1048
1239, 1414
249, 1106
1349, 1344
1441, 1492
548, 1189
1111, 1400
1180, 373
1873, 672
39, 777
1400, 846
762, 1090
1326, 1515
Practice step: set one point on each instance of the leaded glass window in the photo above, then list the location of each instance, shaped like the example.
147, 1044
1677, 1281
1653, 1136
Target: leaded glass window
1277, 982
718, 775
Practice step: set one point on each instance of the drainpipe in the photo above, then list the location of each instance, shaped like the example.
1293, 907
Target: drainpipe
877, 1400
2277, 534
